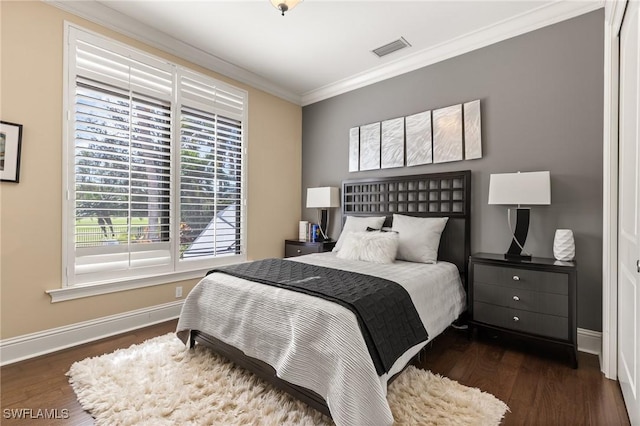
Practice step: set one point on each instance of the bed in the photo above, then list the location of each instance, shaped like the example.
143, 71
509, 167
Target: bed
313, 348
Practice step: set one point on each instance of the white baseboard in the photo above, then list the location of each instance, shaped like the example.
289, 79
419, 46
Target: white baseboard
43, 342
590, 341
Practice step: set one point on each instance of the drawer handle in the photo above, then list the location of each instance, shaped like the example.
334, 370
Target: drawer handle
299, 251
516, 298
516, 278
516, 319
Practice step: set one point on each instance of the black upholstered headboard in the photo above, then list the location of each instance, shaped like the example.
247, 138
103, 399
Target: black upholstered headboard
428, 195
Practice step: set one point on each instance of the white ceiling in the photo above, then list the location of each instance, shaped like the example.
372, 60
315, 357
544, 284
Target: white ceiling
321, 48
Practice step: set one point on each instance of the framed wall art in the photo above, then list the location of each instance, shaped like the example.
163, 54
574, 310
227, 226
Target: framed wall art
10, 145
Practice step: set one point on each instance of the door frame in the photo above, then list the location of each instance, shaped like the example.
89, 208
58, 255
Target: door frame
614, 12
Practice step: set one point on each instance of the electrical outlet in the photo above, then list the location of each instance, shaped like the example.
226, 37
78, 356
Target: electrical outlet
178, 292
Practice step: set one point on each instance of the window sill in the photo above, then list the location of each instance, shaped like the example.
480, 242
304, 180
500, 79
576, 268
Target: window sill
89, 290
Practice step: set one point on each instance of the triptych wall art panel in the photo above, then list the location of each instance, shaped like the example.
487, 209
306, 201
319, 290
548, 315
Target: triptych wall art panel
370, 147
354, 149
472, 138
418, 136
392, 143
439, 136
447, 134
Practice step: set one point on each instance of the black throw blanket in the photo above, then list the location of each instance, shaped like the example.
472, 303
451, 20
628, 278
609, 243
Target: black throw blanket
387, 317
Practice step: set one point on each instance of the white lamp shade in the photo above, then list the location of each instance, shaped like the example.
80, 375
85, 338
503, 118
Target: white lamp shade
323, 198
289, 3
520, 188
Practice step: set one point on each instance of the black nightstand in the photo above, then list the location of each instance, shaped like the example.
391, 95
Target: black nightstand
293, 248
533, 299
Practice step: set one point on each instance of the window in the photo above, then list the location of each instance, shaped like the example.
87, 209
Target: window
154, 159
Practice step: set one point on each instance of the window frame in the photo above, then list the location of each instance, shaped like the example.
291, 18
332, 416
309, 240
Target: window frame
180, 269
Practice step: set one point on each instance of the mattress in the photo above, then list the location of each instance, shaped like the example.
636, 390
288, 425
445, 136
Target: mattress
315, 343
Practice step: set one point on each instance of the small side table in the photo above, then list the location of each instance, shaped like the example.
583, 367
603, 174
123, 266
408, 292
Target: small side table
534, 299
293, 248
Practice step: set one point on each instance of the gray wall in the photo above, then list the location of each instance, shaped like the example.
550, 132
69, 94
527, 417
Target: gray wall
542, 109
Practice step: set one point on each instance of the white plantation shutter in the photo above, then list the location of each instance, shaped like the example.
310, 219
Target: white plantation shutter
120, 66
131, 135
210, 183
211, 152
210, 95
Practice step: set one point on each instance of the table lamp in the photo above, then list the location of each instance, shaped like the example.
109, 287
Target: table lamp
323, 198
530, 188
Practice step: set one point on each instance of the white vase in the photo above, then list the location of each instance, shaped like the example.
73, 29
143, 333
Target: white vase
564, 247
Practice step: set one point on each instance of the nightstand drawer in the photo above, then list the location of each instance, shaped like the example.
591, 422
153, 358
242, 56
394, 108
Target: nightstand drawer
527, 279
526, 300
519, 320
293, 250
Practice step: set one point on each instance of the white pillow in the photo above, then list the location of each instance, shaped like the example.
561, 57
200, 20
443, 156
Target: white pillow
419, 237
358, 224
377, 247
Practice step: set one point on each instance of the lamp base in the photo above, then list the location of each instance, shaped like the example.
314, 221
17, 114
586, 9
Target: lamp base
522, 257
324, 224
516, 250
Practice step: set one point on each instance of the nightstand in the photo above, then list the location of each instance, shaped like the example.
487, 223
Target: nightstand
533, 299
293, 248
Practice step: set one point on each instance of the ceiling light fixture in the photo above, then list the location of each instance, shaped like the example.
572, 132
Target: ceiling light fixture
284, 5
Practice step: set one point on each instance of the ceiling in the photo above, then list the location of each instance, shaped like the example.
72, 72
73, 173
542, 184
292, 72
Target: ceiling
321, 48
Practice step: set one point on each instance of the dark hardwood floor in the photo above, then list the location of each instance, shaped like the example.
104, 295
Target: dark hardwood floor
538, 384
539, 387
40, 383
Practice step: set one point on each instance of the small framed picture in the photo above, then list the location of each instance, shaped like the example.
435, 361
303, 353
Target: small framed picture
10, 143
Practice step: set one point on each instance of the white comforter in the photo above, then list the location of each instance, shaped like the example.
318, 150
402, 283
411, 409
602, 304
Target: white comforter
315, 343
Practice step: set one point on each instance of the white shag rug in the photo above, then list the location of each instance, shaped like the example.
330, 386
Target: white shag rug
161, 382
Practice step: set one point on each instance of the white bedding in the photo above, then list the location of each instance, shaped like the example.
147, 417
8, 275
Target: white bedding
315, 343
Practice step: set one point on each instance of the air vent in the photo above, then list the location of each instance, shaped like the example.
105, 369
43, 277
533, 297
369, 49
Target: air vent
388, 48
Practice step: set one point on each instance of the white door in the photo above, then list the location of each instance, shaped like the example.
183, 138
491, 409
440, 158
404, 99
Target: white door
629, 222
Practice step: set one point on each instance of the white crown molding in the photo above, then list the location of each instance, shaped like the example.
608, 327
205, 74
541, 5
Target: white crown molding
614, 12
35, 344
530, 21
526, 22
123, 24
